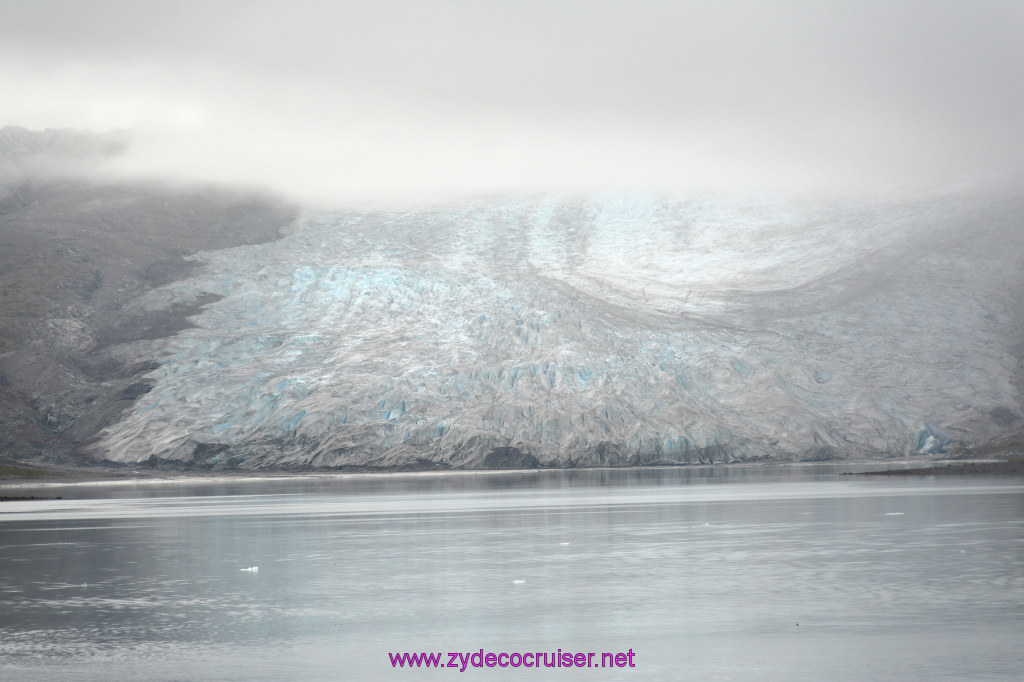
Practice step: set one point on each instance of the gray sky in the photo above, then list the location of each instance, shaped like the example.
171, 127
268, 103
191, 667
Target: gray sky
337, 101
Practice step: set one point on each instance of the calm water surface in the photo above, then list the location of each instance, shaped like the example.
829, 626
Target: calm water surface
769, 573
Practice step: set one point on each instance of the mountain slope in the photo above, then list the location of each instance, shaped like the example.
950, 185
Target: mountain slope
74, 250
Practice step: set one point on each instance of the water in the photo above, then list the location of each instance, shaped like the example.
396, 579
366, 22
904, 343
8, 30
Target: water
776, 573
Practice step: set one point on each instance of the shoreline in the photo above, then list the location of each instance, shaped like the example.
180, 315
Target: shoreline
35, 477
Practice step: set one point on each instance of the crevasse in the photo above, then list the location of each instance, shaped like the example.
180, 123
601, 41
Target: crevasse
603, 330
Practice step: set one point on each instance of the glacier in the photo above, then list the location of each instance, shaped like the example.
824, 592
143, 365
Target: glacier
599, 330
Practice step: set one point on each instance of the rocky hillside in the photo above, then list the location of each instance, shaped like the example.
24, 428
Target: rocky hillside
74, 250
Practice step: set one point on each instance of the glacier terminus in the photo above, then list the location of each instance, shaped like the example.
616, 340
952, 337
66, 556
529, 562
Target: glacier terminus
599, 330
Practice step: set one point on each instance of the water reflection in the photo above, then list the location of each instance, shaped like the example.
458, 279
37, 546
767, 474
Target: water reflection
443, 482
705, 574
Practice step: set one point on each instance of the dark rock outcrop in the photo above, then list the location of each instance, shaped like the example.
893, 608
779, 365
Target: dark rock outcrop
510, 458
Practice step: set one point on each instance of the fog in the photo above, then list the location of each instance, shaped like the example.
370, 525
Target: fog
335, 102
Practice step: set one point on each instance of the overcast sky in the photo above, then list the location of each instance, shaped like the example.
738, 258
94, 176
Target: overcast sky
337, 100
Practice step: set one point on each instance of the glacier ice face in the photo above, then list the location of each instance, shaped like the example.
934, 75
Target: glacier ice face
606, 330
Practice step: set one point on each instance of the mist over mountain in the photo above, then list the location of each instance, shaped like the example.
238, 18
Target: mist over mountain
218, 328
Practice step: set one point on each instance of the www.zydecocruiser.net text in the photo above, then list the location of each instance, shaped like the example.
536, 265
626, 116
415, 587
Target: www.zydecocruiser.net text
462, 660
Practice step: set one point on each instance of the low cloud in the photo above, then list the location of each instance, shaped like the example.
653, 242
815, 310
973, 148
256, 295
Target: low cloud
339, 102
